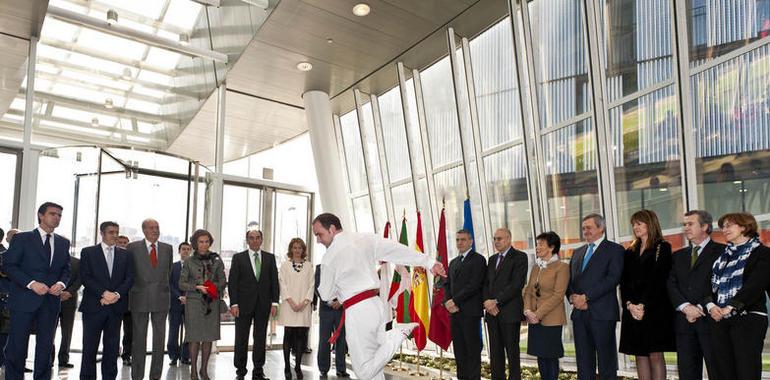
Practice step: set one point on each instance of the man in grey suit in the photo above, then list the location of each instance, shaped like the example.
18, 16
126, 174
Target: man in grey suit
148, 299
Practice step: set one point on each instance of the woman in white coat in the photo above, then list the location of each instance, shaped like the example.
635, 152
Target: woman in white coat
297, 282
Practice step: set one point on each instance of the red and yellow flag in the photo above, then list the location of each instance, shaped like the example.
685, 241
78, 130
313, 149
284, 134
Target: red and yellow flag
419, 306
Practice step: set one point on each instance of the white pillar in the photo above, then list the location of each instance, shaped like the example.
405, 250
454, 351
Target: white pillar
331, 185
30, 156
215, 189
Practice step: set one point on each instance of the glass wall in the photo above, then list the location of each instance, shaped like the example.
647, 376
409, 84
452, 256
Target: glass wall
8, 163
585, 107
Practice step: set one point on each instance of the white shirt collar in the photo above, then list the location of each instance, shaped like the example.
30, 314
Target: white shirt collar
502, 254
105, 247
149, 245
702, 244
465, 254
598, 241
253, 252
42, 233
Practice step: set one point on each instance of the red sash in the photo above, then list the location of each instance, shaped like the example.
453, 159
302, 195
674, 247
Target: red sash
366, 294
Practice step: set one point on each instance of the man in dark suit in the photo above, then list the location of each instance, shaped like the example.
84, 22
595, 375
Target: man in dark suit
329, 315
69, 302
504, 305
149, 298
689, 284
176, 313
595, 271
463, 291
5, 285
253, 289
127, 324
38, 264
107, 273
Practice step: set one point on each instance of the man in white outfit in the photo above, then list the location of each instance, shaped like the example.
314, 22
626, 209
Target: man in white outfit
349, 273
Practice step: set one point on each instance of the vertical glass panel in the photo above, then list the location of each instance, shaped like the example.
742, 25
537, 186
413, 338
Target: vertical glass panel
561, 59
394, 135
130, 201
241, 211
239, 167
572, 187
414, 131
495, 82
638, 44
428, 235
354, 155
732, 135
290, 221
362, 211
7, 189
403, 206
509, 207
441, 114
375, 170
718, 27
450, 188
646, 159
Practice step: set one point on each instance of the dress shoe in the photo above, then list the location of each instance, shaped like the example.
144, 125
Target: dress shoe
66, 365
126, 362
343, 374
259, 376
27, 370
324, 374
173, 363
287, 374
185, 361
298, 371
308, 350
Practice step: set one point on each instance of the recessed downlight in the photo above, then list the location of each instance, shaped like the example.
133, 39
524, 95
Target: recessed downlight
108, 103
112, 17
304, 66
361, 9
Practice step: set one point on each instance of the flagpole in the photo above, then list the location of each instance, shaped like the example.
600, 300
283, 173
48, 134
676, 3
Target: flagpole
440, 366
401, 359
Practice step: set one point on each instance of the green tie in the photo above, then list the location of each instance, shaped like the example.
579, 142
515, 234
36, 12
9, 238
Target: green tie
257, 265
694, 256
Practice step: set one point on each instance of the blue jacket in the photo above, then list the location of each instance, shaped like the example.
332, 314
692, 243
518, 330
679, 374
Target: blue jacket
598, 281
96, 279
26, 261
173, 284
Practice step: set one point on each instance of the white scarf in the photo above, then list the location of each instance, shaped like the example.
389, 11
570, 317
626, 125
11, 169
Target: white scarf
544, 263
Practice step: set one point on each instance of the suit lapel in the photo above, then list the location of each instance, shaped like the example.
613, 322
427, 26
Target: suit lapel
594, 256
578, 259
40, 248
103, 261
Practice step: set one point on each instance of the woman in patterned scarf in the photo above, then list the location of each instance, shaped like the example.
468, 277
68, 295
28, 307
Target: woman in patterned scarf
737, 304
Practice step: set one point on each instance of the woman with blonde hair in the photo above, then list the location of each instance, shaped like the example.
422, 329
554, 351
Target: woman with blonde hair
297, 283
647, 329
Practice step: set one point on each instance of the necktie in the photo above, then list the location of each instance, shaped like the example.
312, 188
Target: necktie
110, 259
499, 260
153, 256
588, 256
694, 256
257, 265
47, 247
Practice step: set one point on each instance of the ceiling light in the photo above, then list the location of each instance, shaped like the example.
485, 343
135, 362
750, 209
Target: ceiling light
127, 74
112, 17
329, 41
94, 122
361, 9
108, 103
304, 66
184, 39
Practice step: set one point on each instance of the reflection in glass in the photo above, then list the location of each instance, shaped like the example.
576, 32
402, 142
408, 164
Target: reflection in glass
441, 114
494, 77
7, 189
414, 121
354, 155
561, 59
450, 189
404, 206
571, 181
509, 207
646, 157
290, 221
373, 165
362, 211
638, 44
241, 211
718, 27
394, 135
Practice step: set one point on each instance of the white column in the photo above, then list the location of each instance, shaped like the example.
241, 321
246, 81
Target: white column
30, 156
216, 184
328, 167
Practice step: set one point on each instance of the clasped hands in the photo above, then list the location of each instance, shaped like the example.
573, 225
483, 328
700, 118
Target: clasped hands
42, 289
579, 301
109, 298
451, 306
531, 317
637, 310
718, 313
297, 307
490, 306
692, 312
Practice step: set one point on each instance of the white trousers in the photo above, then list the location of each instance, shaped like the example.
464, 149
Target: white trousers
369, 345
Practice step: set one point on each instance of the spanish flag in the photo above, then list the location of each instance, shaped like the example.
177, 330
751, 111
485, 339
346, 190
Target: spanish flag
420, 302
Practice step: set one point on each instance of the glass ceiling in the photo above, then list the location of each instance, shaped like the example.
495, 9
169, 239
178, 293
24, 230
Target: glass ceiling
102, 88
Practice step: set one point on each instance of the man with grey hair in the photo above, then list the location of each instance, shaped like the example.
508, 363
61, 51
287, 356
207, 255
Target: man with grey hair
595, 271
689, 283
148, 298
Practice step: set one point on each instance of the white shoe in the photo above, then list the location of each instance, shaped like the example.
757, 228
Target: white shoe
406, 328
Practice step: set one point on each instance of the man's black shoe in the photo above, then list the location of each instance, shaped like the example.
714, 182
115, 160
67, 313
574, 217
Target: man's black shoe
66, 365
185, 361
173, 363
324, 374
126, 362
27, 370
343, 374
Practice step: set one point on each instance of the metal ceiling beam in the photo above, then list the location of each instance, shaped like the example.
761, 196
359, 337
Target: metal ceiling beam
128, 15
92, 107
135, 35
82, 124
131, 63
112, 91
84, 137
213, 3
